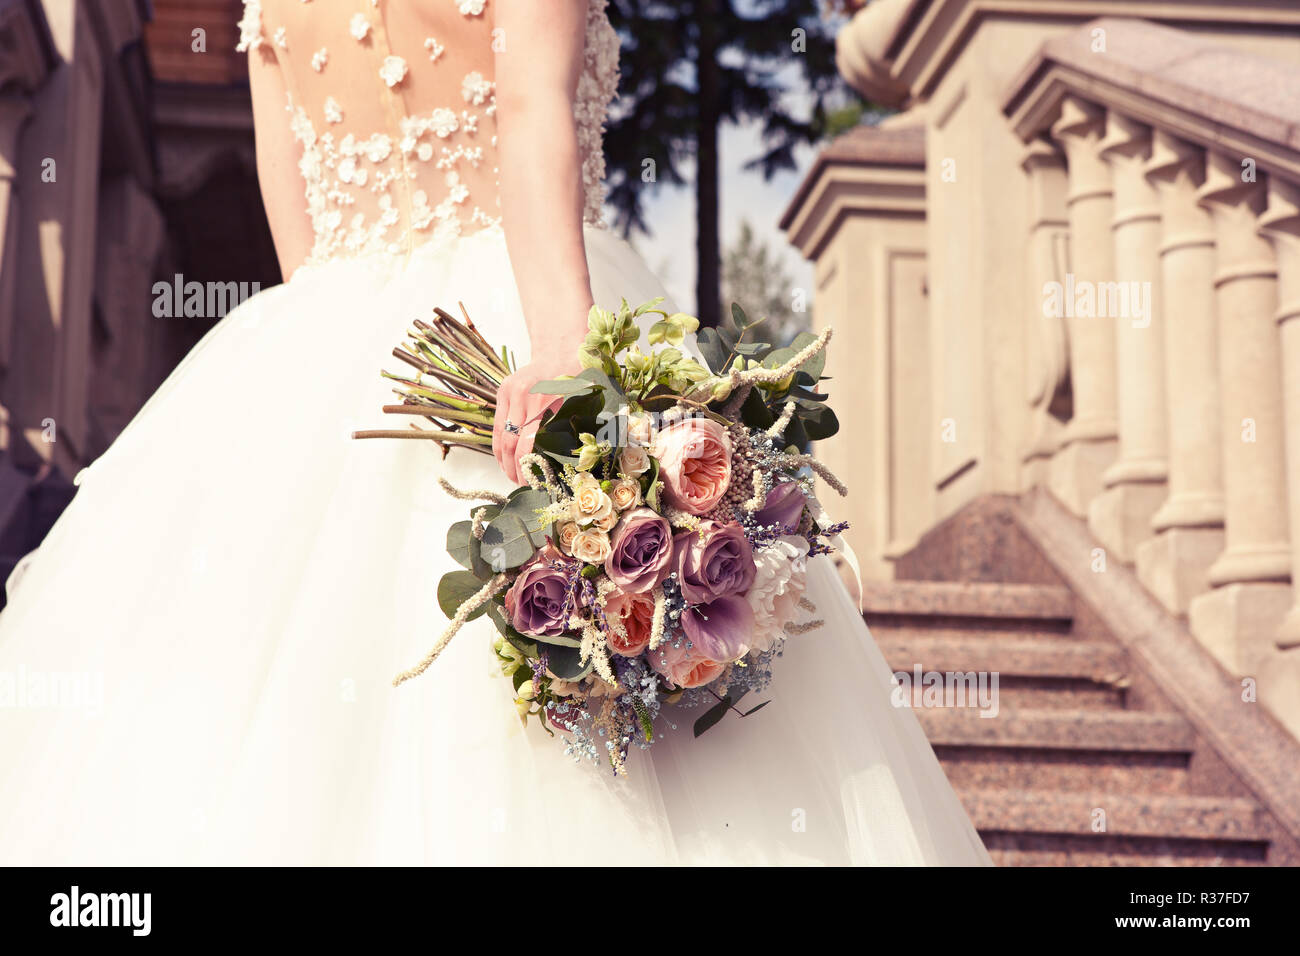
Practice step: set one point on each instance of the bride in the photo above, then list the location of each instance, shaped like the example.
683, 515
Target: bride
237, 580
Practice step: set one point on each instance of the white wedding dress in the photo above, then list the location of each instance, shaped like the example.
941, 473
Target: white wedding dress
195, 665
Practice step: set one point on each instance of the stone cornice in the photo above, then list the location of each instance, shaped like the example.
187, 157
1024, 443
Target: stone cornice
1210, 95
913, 47
865, 170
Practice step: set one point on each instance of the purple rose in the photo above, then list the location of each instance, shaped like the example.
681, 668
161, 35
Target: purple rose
535, 602
713, 560
640, 551
784, 506
720, 630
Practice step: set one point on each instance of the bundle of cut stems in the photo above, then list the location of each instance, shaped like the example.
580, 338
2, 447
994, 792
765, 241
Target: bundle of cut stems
453, 384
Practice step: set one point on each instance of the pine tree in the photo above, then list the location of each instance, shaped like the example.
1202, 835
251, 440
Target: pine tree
688, 67
756, 276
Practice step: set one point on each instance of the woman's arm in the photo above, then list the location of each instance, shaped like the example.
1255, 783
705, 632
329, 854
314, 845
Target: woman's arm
277, 173
538, 62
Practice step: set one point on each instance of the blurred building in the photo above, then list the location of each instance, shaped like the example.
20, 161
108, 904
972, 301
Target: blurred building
126, 160
1065, 281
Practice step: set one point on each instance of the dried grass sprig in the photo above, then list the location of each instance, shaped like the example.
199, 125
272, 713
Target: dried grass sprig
481, 597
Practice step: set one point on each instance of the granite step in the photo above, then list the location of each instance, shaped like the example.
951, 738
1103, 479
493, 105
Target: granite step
1034, 849
953, 599
1066, 731
1018, 657
1091, 827
1005, 768
1032, 673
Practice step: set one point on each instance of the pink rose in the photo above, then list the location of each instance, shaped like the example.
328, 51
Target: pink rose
713, 560
637, 614
694, 463
684, 667
641, 551
536, 601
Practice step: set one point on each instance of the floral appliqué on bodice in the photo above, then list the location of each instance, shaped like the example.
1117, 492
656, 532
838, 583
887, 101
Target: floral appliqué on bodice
381, 176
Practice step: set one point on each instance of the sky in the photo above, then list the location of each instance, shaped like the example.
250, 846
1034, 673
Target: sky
670, 249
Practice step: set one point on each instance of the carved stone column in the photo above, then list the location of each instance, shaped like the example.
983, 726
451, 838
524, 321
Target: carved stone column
1189, 524
1281, 223
1048, 353
1279, 682
1135, 485
1238, 619
1088, 442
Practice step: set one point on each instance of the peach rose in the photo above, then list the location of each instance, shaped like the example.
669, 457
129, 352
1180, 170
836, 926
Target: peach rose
683, 666
590, 503
694, 463
625, 493
637, 614
591, 546
564, 535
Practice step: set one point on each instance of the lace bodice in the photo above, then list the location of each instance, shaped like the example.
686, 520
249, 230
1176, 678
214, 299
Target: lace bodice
393, 106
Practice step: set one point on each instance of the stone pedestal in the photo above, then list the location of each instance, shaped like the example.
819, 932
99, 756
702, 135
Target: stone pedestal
1174, 564
1236, 623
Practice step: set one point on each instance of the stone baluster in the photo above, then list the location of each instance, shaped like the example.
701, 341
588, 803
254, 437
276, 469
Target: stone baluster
1120, 516
1239, 617
1281, 223
1088, 442
1048, 353
1189, 524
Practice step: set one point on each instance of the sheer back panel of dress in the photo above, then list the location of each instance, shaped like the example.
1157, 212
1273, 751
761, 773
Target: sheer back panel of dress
392, 104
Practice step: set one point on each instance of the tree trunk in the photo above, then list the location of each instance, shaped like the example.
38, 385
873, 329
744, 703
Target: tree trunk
708, 278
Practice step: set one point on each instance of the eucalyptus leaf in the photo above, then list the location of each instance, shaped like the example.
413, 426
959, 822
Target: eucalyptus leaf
815, 365
506, 542
459, 537
556, 445
562, 386
455, 589
565, 663
710, 345
714, 714
820, 423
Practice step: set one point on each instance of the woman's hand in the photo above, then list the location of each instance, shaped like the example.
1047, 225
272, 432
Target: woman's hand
519, 406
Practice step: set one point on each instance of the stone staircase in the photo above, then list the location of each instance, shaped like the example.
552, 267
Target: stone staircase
1086, 759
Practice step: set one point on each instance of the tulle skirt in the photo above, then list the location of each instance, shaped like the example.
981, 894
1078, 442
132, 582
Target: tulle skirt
195, 666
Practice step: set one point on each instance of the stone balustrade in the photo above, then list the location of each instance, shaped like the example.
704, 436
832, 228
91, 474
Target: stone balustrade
1202, 160
1139, 182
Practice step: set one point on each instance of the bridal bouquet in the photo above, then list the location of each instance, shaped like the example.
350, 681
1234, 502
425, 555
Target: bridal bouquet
658, 552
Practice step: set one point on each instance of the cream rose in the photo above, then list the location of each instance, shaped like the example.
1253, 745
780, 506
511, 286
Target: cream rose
565, 533
634, 461
591, 546
625, 493
590, 503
